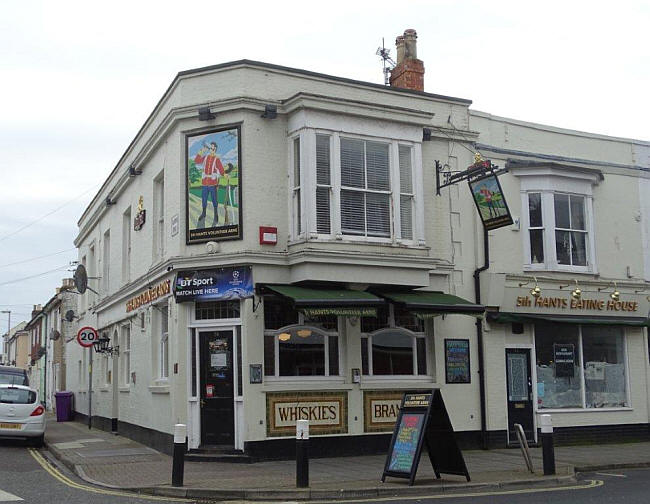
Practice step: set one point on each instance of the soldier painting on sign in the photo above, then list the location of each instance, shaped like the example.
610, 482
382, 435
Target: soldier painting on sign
213, 186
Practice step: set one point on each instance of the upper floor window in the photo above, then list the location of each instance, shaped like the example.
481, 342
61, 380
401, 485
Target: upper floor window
353, 187
557, 219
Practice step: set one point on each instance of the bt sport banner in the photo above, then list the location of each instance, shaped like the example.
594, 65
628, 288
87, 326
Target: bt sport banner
213, 183
217, 284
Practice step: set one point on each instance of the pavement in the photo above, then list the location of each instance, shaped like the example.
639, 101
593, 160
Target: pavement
113, 461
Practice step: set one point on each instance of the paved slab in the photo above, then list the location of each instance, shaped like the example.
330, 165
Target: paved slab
115, 461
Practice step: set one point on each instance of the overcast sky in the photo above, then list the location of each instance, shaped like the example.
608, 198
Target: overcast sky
78, 79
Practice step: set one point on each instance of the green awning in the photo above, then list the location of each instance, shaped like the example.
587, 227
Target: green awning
530, 318
314, 302
431, 304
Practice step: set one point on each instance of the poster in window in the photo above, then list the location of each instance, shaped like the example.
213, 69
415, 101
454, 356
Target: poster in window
457, 369
213, 184
490, 202
564, 358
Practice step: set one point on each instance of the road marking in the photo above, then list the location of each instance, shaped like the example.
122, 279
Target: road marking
611, 474
55, 473
7, 497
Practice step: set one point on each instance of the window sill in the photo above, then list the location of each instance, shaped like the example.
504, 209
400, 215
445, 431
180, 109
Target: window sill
582, 410
587, 270
124, 388
159, 389
387, 242
104, 388
395, 382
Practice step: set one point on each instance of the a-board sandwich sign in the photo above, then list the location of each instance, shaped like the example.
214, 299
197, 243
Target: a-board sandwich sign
423, 420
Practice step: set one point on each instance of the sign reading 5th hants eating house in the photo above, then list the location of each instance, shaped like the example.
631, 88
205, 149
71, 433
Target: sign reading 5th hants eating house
556, 301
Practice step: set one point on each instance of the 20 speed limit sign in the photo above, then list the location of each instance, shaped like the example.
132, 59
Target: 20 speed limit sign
87, 336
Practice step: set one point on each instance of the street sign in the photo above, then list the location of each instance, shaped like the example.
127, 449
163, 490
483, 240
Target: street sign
87, 336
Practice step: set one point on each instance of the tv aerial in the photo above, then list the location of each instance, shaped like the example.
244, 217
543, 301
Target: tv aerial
387, 61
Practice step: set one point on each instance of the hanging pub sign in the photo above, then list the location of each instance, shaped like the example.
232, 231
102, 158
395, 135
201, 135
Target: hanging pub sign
214, 284
141, 216
564, 358
213, 185
457, 368
490, 201
423, 419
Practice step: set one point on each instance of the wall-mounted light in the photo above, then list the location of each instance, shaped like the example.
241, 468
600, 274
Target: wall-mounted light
205, 114
426, 134
133, 171
641, 290
109, 201
303, 333
270, 111
615, 295
284, 336
575, 293
535, 291
101, 346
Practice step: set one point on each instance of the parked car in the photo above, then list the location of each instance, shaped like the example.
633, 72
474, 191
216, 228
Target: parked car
13, 376
21, 414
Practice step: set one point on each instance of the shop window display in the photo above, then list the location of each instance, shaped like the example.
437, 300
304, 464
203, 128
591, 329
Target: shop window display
580, 366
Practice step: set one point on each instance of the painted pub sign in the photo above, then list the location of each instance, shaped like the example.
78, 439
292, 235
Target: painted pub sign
213, 183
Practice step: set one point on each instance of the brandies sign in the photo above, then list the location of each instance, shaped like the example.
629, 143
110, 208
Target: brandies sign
146, 297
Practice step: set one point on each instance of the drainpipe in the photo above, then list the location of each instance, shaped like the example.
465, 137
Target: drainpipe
479, 338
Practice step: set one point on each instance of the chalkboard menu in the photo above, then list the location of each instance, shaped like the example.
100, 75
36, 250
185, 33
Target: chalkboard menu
564, 358
457, 368
423, 419
406, 442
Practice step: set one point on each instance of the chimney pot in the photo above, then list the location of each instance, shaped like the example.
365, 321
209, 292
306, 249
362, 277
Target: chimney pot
409, 70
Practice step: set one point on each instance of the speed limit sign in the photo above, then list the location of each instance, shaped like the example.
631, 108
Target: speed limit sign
87, 336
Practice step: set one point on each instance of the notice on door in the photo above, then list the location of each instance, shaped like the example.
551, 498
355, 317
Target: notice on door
326, 412
218, 359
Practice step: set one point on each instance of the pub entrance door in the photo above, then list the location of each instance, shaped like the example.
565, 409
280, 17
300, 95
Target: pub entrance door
520, 394
217, 387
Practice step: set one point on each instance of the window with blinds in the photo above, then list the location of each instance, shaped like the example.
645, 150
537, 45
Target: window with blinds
297, 211
406, 194
365, 188
323, 184
354, 187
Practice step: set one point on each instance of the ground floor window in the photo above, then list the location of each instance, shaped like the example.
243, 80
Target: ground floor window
296, 345
393, 344
580, 366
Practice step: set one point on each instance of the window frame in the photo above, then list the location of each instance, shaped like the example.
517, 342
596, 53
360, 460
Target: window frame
583, 386
326, 335
309, 186
125, 356
549, 228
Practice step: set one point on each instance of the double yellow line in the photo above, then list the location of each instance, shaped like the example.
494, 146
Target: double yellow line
55, 473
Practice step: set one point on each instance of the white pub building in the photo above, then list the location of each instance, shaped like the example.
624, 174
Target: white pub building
272, 246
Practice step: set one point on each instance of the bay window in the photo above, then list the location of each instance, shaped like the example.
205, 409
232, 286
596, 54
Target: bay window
352, 187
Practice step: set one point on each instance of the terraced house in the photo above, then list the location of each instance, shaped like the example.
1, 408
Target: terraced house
272, 246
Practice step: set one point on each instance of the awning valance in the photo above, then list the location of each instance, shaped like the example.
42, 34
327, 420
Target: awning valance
430, 304
509, 317
313, 302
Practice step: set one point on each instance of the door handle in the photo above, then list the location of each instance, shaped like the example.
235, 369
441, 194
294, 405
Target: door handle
202, 403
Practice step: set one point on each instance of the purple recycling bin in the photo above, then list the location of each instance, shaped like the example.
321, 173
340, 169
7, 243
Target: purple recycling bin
64, 406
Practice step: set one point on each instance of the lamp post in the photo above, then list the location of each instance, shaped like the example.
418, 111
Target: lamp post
8, 312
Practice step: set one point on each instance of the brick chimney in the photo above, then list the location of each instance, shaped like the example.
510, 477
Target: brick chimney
409, 71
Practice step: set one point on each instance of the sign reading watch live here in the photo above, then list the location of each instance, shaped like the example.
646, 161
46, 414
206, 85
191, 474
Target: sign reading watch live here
214, 284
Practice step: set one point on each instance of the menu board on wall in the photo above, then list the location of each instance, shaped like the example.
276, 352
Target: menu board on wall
457, 369
564, 358
423, 419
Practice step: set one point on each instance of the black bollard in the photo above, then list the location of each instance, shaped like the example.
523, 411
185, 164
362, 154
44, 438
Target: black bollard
178, 464
548, 452
302, 454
